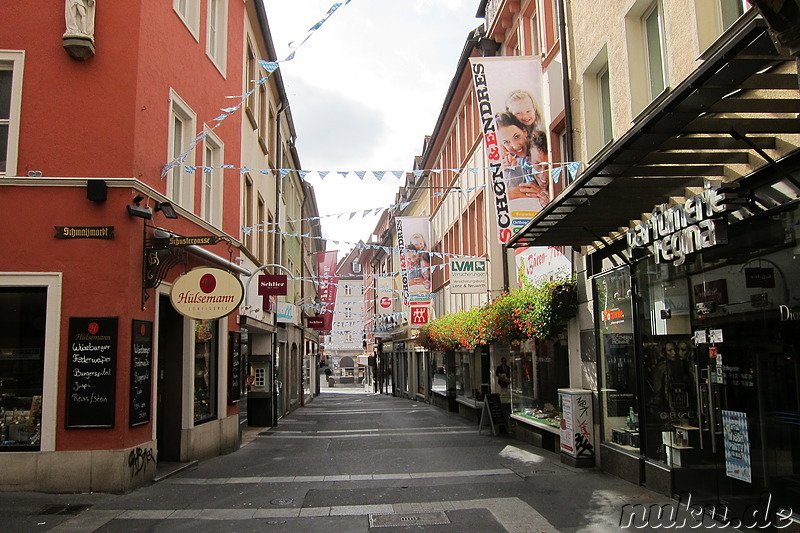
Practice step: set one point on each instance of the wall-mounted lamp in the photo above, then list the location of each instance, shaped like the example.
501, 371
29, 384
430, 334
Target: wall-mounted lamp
167, 208
135, 210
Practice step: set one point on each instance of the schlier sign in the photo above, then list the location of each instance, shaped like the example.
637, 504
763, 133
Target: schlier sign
675, 232
272, 285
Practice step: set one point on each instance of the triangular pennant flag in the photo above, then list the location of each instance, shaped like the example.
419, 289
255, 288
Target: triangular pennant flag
227, 166
343, 173
360, 174
303, 174
220, 118
474, 171
367, 212
398, 173
269, 66
379, 174
556, 174
207, 169
417, 174
351, 215
284, 172
573, 168
244, 170
322, 174
190, 168
265, 170
290, 56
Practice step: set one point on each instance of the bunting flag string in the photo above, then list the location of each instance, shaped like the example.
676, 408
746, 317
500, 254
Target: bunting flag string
359, 245
269, 67
572, 167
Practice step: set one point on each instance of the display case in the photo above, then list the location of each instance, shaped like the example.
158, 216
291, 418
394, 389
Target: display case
205, 357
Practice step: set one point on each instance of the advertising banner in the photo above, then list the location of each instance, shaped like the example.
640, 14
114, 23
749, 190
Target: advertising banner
509, 93
468, 276
415, 258
385, 296
537, 263
326, 290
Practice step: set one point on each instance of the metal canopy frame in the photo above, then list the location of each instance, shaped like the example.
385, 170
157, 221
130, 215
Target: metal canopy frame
736, 113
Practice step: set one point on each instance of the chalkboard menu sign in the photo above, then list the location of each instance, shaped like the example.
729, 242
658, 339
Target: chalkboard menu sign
91, 372
493, 410
234, 366
141, 371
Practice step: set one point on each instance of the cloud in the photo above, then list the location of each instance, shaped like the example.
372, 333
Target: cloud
333, 129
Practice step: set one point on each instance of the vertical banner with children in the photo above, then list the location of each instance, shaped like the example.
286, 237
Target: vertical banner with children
327, 284
509, 94
415, 259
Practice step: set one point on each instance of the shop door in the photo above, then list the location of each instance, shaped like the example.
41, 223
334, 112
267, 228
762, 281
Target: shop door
743, 458
169, 383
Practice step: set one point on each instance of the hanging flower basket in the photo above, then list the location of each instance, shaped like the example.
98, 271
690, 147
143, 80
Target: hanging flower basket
533, 311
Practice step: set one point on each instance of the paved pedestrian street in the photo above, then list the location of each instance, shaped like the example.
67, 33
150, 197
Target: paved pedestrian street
355, 462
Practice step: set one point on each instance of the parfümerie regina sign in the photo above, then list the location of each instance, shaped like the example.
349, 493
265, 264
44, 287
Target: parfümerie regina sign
206, 293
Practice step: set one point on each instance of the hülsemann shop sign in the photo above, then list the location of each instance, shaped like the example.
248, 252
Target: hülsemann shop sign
675, 232
206, 293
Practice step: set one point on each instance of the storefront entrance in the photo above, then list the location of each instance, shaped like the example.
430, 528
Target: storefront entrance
745, 447
170, 382
700, 376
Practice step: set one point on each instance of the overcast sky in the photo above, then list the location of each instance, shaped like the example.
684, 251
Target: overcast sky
364, 91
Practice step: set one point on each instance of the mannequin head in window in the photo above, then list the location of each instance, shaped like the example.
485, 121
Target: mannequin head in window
684, 351
670, 351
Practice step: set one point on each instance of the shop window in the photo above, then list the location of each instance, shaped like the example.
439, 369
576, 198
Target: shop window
619, 402
438, 372
206, 335
22, 341
668, 358
539, 367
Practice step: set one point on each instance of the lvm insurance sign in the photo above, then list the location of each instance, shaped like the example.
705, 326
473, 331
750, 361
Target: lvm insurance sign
468, 276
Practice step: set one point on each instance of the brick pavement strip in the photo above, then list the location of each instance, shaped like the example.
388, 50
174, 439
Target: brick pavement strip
512, 513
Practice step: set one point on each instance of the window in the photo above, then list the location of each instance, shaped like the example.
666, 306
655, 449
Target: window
604, 92
217, 33
189, 12
10, 100
206, 342
654, 44
263, 129
536, 42
212, 180
731, 11
250, 86
247, 213
348, 290
22, 318
180, 185
619, 400
259, 229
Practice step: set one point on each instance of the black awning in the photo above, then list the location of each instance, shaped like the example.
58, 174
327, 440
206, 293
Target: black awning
737, 112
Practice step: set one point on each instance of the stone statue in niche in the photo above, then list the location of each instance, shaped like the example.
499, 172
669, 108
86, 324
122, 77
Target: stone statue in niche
80, 18
78, 40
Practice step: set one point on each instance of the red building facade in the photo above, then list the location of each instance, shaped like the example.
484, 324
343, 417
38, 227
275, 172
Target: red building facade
99, 374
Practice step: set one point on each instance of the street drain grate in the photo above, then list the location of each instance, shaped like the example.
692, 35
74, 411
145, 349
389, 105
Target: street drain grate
68, 509
436, 518
282, 501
